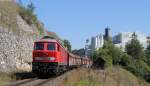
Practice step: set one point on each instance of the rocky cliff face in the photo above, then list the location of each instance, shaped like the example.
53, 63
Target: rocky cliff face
16, 46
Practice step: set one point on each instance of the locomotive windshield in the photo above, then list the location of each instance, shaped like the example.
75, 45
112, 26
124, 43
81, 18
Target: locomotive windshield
39, 46
50, 46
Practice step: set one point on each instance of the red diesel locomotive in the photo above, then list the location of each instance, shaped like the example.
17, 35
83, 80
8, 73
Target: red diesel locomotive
50, 57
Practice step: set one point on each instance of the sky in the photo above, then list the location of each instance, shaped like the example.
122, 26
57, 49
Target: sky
77, 20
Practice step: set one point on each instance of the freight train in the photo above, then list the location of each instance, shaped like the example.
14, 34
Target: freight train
51, 57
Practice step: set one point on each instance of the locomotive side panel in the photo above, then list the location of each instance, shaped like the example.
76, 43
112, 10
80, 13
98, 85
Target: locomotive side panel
63, 55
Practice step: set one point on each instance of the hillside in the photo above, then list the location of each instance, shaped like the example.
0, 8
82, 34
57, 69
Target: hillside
112, 76
16, 38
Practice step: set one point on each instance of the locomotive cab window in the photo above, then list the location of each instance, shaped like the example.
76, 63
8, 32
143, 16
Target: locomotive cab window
50, 46
39, 46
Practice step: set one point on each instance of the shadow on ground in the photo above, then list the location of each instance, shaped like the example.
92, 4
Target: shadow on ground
25, 75
29, 75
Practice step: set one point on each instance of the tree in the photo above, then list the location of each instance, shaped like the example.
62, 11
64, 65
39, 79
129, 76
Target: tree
27, 13
124, 60
115, 53
147, 52
134, 48
80, 52
103, 54
31, 7
67, 45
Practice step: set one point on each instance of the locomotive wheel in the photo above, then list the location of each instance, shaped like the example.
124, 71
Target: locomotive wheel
57, 73
65, 69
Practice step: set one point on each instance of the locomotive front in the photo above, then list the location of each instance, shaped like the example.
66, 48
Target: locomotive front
45, 57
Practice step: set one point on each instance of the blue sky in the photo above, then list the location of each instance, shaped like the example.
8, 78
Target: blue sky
77, 20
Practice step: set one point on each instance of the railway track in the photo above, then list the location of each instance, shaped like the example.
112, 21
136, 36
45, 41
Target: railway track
32, 82
20, 82
40, 81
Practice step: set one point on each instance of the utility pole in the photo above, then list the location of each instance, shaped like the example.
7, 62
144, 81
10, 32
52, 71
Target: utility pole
86, 48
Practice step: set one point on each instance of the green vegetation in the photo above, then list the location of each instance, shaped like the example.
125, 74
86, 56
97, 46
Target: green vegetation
106, 54
80, 77
8, 12
27, 13
8, 16
87, 83
67, 44
135, 49
147, 52
111, 76
6, 78
80, 52
134, 59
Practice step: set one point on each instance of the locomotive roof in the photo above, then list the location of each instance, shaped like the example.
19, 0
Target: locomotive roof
47, 40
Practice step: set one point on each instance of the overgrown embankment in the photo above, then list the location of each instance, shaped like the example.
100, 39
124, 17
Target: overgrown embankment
133, 57
113, 76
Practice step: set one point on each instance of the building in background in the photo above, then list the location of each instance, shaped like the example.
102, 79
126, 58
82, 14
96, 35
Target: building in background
96, 42
107, 34
121, 39
148, 40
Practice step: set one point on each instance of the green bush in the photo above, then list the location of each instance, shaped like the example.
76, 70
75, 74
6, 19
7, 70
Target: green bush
133, 59
147, 57
104, 54
27, 13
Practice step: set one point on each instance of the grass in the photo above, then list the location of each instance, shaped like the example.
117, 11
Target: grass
8, 12
8, 17
112, 76
87, 83
81, 77
6, 78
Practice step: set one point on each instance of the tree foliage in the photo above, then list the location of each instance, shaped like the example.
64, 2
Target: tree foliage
134, 48
80, 52
67, 44
104, 54
147, 52
137, 63
27, 13
134, 59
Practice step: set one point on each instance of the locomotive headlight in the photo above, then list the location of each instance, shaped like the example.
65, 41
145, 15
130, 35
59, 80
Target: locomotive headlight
51, 58
45, 58
38, 58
